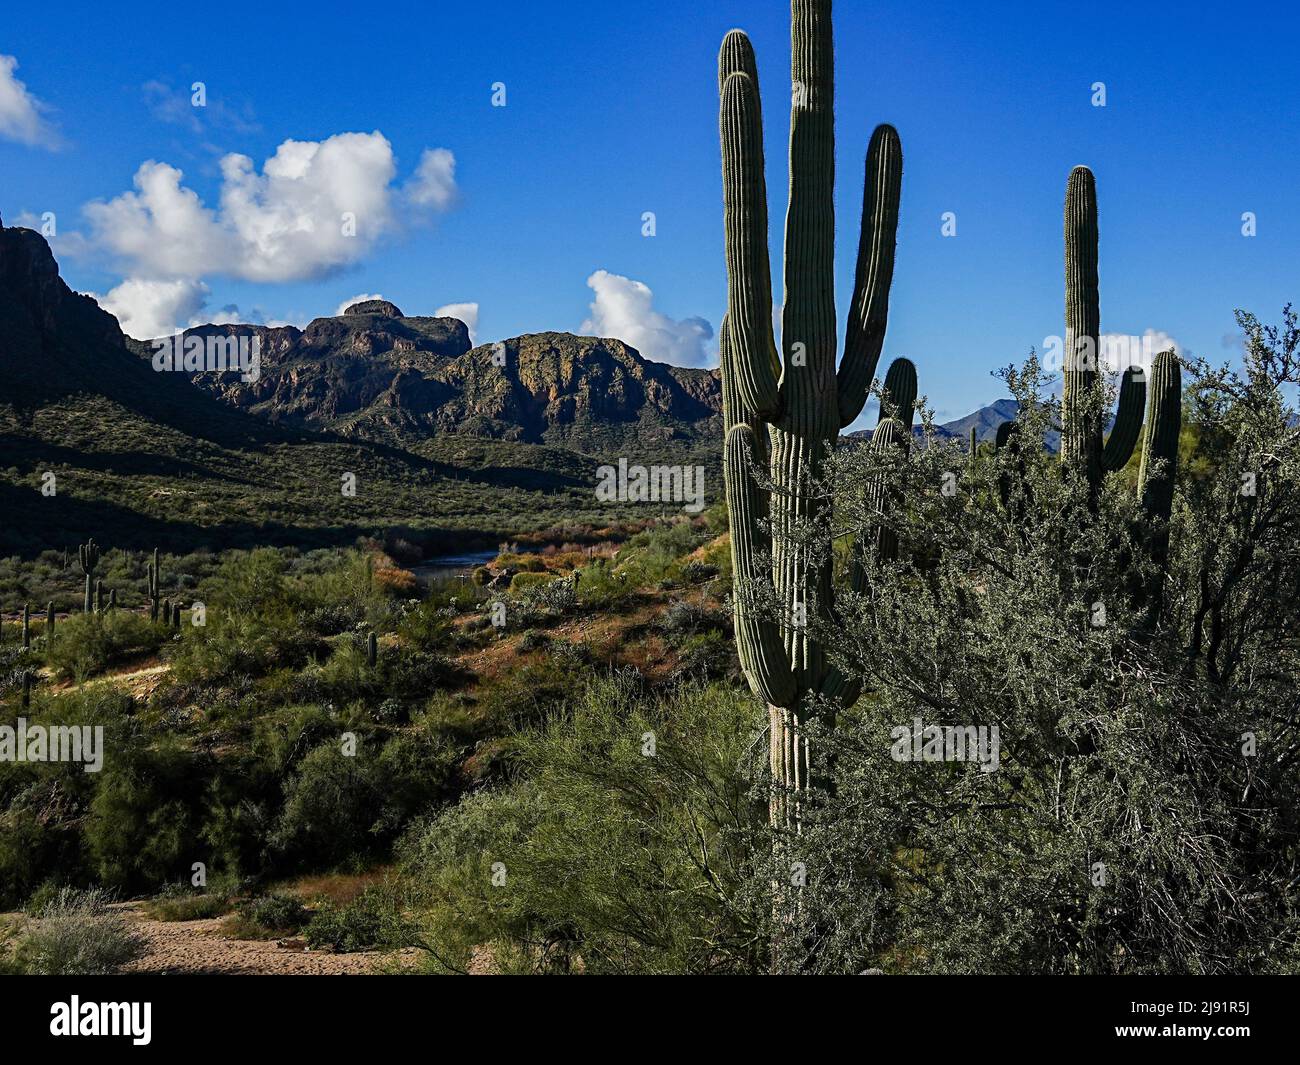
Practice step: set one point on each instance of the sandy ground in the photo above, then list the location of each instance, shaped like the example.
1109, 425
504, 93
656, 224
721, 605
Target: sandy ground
197, 947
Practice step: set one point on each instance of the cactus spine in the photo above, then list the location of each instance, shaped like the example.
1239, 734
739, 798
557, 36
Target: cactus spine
784, 412
1081, 402
88, 556
153, 578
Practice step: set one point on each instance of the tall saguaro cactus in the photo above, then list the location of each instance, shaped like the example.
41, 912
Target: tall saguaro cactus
88, 556
1081, 403
1159, 469
785, 410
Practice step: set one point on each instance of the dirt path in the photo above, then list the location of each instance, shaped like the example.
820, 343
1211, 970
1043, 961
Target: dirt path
197, 947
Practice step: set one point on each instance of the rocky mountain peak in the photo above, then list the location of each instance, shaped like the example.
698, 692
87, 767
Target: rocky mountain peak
382, 308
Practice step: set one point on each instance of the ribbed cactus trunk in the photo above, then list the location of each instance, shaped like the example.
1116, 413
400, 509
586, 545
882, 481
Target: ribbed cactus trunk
1082, 417
784, 411
1159, 470
27, 626
49, 620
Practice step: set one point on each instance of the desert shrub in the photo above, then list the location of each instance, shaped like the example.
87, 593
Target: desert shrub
266, 917
393, 580
600, 587
481, 575
684, 618
532, 640
526, 563
143, 823
77, 934
85, 644
524, 580
343, 809
616, 861
374, 919
179, 903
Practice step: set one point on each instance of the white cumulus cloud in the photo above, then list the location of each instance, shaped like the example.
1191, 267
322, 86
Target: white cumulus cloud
22, 115
146, 309
315, 207
466, 312
1120, 351
624, 309
434, 182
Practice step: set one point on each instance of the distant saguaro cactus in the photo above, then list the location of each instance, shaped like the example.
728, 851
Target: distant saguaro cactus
372, 650
99, 595
27, 626
88, 556
974, 441
49, 620
1082, 418
153, 584
784, 411
112, 600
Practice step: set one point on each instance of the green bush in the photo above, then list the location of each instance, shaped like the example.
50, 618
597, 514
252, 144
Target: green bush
267, 917
342, 809
374, 919
617, 857
186, 905
85, 644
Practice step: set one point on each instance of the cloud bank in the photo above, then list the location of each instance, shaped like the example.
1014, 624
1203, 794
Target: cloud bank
624, 309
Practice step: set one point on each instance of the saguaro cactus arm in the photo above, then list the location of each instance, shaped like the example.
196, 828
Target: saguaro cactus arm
1127, 429
758, 639
749, 280
865, 336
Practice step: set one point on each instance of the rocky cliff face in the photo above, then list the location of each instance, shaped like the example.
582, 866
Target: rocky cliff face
374, 372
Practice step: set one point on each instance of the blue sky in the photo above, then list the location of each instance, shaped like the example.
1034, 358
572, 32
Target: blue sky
611, 112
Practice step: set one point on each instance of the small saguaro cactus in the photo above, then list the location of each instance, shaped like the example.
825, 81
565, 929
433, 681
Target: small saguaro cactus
974, 441
99, 595
27, 626
112, 600
49, 620
784, 411
153, 578
167, 613
1082, 420
88, 557
176, 615
372, 650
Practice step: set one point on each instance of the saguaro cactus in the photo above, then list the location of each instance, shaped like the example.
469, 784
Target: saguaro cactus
88, 556
785, 411
1081, 403
49, 620
27, 626
372, 650
154, 574
1159, 469
99, 595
